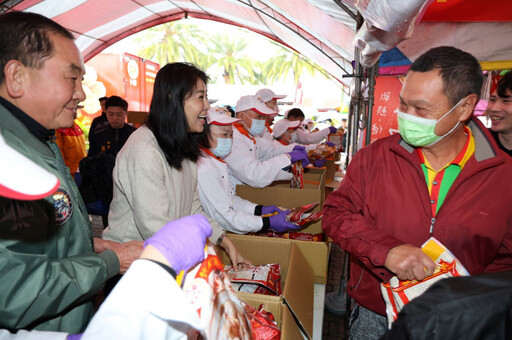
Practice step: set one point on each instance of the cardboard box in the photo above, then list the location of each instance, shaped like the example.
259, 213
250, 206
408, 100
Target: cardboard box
296, 282
279, 192
316, 253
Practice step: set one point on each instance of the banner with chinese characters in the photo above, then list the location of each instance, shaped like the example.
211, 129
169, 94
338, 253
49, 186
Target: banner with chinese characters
384, 122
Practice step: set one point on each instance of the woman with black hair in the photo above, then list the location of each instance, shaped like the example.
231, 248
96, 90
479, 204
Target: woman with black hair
155, 177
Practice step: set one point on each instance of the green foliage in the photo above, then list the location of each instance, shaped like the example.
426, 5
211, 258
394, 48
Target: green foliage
222, 56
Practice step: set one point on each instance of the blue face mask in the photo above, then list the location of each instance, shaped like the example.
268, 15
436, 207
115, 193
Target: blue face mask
257, 127
223, 147
293, 137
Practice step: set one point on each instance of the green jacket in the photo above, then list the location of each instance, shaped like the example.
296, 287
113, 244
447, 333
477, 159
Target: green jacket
48, 269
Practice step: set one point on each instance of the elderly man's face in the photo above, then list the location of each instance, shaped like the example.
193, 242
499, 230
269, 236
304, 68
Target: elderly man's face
51, 94
422, 95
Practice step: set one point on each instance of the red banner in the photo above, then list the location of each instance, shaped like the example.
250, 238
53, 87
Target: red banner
468, 11
387, 91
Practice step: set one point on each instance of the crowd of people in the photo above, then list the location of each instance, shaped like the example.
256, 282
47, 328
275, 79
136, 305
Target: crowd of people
171, 185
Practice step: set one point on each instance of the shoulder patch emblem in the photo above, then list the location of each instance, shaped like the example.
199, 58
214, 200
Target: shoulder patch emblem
63, 206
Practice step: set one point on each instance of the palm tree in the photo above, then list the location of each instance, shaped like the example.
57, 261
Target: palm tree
228, 53
279, 66
173, 41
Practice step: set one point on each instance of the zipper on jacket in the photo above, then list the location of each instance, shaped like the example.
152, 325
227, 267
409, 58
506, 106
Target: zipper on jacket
432, 222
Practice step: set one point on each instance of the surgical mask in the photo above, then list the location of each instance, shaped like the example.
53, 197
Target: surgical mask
293, 137
257, 127
223, 147
419, 131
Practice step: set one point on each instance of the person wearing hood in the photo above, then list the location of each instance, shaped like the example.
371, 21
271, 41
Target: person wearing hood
217, 196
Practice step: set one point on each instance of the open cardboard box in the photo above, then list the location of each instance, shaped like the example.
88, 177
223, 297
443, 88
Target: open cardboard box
296, 282
316, 253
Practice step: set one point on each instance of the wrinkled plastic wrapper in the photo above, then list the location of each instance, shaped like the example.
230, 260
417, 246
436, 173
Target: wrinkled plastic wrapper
209, 290
398, 293
263, 324
297, 181
387, 23
323, 150
293, 235
303, 215
260, 279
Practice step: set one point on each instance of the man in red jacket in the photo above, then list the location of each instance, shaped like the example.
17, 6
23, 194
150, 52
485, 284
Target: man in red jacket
442, 176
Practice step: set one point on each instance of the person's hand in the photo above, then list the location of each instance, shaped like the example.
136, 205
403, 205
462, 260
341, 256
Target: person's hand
332, 129
100, 245
299, 147
279, 223
74, 336
127, 253
269, 209
319, 163
409, 262
237, 260
299, 155
331, 144
182, 241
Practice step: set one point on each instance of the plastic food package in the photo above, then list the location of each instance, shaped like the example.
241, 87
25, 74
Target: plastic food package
295, 235
221, 312
397, 293
297, 180
303, 215
261, 279
263, 324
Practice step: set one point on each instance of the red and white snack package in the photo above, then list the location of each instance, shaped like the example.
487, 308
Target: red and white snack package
261, 279
263, 324
294, 235
297, 180
303, 215
322, 151
209, 291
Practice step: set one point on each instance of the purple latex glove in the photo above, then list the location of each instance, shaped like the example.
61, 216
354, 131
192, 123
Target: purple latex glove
269, 209
319, 163
331, 144
182, 241
279, 223
74, 336
332, 129
299, 155
299, 147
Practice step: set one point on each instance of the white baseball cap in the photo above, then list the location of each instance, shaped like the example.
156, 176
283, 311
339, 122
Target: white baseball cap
219, 116
282, 125
253, 103
267, 95
21, 178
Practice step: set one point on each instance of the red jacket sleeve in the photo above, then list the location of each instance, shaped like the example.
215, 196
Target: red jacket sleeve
346, 218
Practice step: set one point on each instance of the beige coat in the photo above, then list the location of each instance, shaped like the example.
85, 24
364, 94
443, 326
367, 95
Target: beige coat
148, 193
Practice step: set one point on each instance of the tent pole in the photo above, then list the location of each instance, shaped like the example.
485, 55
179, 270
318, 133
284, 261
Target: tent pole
346, 9
371, 99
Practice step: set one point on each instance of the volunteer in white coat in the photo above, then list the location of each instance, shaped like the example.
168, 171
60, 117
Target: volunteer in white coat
304, 136
270, 99
285, 132
147, 303
217, 196
256, 161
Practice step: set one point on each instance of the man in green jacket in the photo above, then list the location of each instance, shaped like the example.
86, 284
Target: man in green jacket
50, 271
